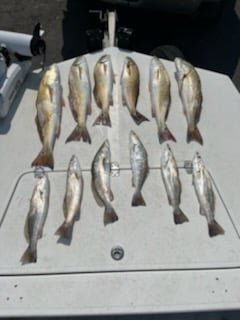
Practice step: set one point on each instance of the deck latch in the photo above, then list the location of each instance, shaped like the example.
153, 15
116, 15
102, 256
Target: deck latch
115, 169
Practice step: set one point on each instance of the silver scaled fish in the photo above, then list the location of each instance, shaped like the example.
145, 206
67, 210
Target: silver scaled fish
205, 194
139, 165
80, 98
172, 183
103, 88
130, 82
49, 114
190, 92
36, 218
101, 171
72, 199
159, 88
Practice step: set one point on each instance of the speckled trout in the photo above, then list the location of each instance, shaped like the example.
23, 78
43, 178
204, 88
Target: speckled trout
72, 199
205, 194
139, 165
172, 183
101, 171
36, 218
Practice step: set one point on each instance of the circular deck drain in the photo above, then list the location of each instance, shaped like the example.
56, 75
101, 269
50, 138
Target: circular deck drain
117, 253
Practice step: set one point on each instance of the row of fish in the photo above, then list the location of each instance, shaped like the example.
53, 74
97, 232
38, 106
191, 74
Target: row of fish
189, 85
171, 179
101, 188
39, 205
50, 100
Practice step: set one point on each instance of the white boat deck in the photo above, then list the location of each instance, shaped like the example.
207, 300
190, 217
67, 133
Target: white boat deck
166, 267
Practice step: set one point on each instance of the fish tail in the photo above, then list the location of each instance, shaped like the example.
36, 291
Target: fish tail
194, 135
179, 216
78, 134
44, 159
137, 199
29, 256
214, 229
103, 119
65, 230
139, 118
110, 215
165, 135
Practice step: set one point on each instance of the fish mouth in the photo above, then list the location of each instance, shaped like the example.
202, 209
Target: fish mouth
106, 143
53, 67
129, 61
132, 135
52, 73
178, 62
177, 75
168, 147
73, 158
79, 61
104, 58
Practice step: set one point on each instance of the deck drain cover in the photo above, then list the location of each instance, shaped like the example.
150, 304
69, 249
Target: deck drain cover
117, 253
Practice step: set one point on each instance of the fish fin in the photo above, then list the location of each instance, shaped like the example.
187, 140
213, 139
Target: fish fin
74, 113
50, 91
96, 196
70, 101
201, 211
77, 214
153, 109
198, 114
179, 216
39, 129
133, 183
139, 118
26, 233
97, 100
111, 196
89, 109
114, 77
58, 131
28, 256
169, 200
180, 78
78, 134
65, 230
44, 159
40, 234
215, 229
105, 163
111, 101
103, 119
165, 135
194, 135
137, 200
65, 206
110, 215
124, 102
